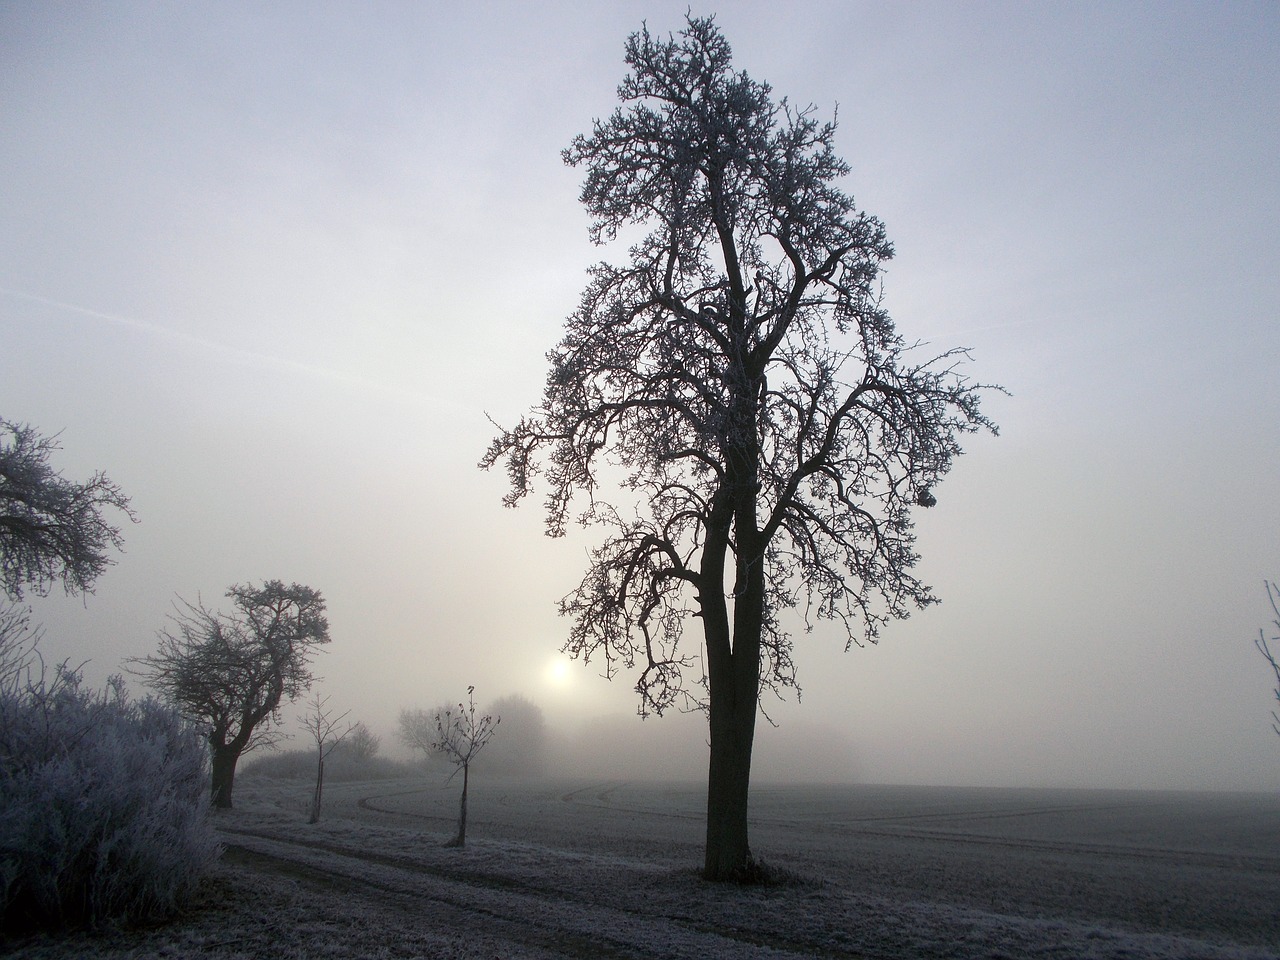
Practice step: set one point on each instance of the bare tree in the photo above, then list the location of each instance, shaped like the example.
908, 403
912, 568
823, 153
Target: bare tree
1273, 595
18, 639
362, 744
51, 528
22, 673
460, 735
230, 672
323, 727
416, 729
771, 430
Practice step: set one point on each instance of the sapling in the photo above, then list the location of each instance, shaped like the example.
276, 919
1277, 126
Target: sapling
460, 735
323, 727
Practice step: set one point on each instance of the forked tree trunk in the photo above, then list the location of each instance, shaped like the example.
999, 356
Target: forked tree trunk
734, 677
224, 775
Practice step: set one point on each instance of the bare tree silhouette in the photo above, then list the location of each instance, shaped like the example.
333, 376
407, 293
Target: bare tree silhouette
771, 430
230, 672
1273, 595
51, 529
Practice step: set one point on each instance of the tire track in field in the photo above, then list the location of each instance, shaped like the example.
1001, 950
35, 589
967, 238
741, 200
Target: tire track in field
603, 800
367, 803
533, 916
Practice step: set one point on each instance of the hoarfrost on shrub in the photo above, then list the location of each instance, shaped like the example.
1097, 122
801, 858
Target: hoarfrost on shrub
102, 801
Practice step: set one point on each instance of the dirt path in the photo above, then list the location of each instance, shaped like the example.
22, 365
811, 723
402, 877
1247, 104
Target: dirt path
401, 899
560, 914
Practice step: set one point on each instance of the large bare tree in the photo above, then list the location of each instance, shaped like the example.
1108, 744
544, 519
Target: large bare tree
739, 376
1273, 595
230, 672
51, 528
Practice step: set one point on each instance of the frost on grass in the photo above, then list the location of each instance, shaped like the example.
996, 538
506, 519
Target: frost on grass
610, 870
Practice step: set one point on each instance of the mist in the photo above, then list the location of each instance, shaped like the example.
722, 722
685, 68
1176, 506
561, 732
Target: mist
272, 271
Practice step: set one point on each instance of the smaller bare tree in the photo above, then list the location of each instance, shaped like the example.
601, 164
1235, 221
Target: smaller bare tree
1273, 595
323, 727
230, 672
460, 735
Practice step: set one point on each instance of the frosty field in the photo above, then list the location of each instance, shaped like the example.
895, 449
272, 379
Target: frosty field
609, 869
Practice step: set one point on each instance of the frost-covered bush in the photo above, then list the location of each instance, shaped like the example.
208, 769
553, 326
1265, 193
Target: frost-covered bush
103, 806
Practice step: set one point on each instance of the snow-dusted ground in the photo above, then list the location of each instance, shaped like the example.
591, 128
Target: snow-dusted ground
606, 869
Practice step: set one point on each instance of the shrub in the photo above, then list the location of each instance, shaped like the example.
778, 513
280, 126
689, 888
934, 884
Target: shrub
342, 766
103, 806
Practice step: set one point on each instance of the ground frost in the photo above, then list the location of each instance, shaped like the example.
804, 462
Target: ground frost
608, 870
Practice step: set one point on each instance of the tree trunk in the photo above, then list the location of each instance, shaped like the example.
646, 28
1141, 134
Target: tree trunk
728, 852
224, 775
461, 839
462, 813
734, 677
315, 800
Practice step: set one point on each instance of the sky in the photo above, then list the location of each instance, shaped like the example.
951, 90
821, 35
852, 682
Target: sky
273, 267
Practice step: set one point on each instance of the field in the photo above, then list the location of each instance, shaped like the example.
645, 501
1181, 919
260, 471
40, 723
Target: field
609, 869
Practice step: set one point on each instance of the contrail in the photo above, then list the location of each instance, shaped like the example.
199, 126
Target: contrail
113, 318
239, 354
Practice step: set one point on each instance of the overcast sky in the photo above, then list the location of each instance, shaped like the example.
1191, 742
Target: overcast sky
270, 265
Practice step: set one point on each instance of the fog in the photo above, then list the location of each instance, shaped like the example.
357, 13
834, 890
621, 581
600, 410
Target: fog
617, 746
270, 268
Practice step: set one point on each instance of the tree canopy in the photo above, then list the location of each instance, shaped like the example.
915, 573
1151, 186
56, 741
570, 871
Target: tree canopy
51, 528
770, 430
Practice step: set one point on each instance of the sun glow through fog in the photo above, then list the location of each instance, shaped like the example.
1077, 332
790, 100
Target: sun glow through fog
558, 675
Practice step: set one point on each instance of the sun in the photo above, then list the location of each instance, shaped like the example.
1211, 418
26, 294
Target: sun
557, 674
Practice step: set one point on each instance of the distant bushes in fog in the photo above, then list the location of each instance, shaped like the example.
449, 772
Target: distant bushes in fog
521, 749
104, 812
355, 758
